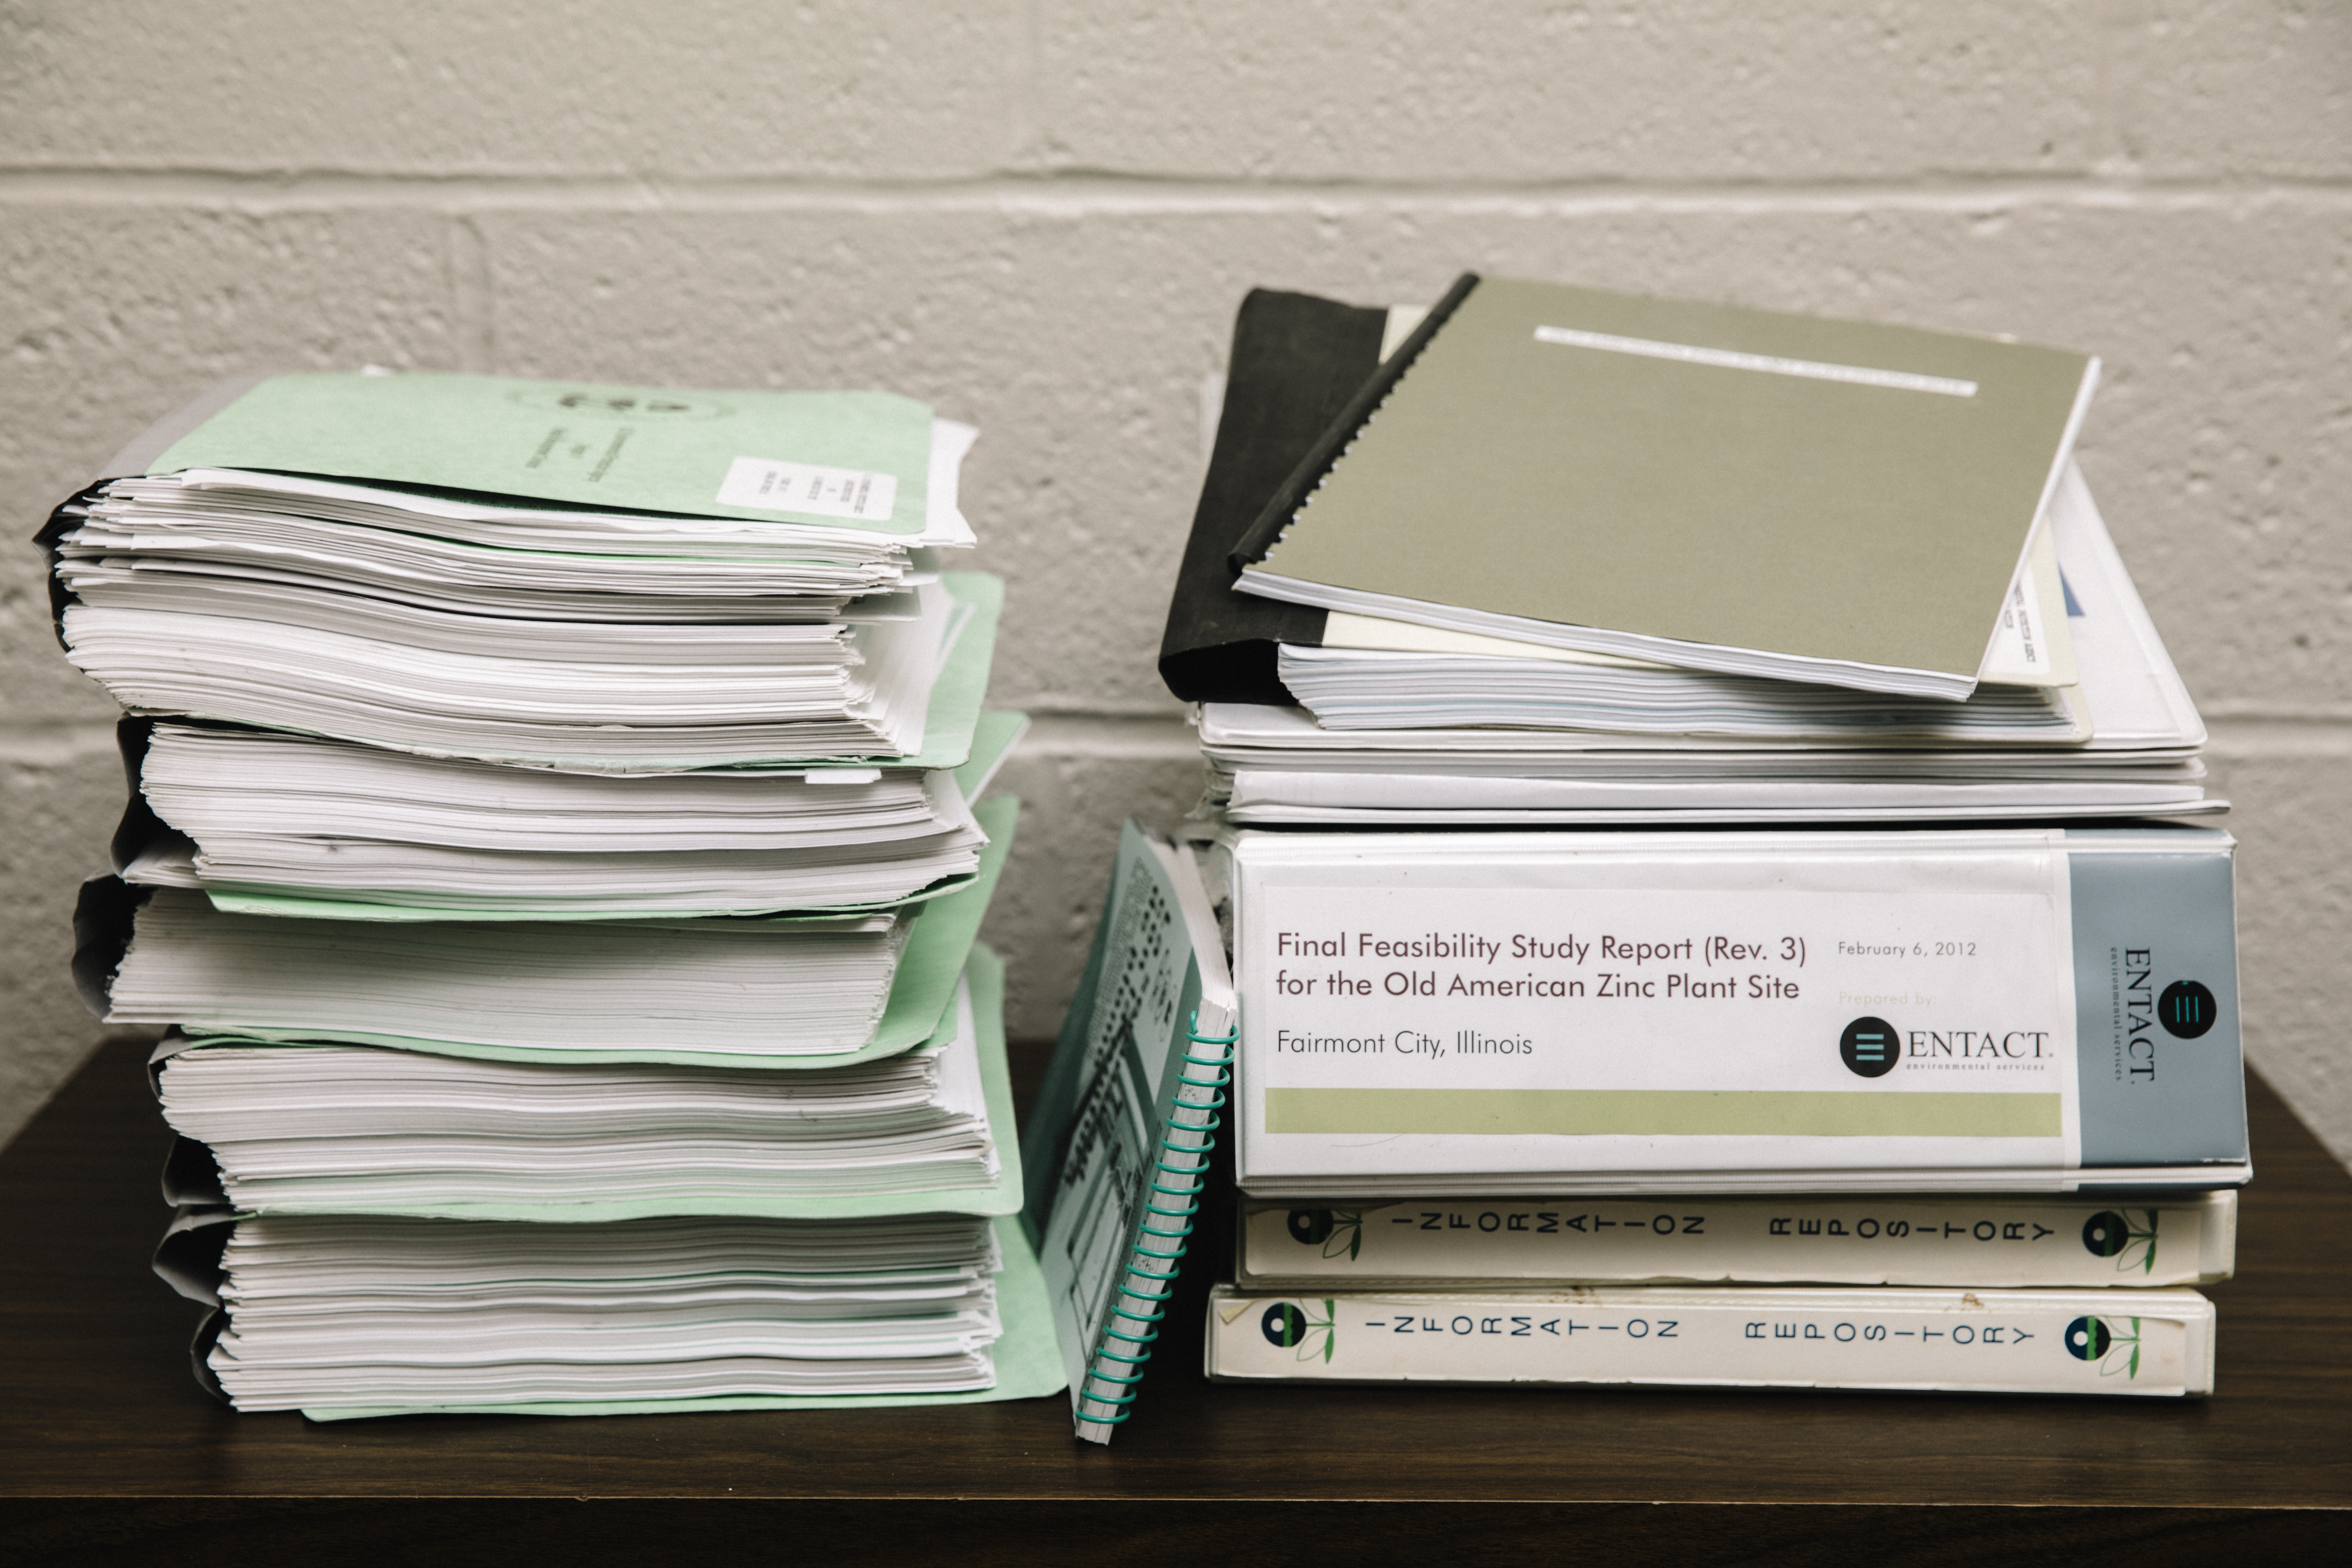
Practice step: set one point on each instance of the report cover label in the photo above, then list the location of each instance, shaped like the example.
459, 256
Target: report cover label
1669, 1013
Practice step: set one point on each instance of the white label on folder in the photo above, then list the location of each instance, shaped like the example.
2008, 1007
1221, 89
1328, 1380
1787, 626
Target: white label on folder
1760, 1012
1732, 359
810, 488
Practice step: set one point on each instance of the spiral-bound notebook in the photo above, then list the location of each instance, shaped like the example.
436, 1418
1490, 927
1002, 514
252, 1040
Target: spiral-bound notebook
1126, 1121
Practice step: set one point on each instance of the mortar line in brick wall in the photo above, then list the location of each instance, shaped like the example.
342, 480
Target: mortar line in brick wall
1079, 731
2322, 714
1078, 727
2252, 737
471, 292
2235, 737
1083, 734
2316, 717
48, 743
1069, 192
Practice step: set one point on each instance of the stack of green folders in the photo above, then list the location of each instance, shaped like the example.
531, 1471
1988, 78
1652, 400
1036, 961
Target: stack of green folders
1685, 794
556, 849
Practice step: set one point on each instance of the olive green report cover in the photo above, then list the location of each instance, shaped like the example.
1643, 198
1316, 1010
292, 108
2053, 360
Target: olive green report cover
839, 459
1704, 485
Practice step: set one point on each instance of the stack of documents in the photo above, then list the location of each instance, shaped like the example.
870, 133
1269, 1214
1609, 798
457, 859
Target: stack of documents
383, 1230
357, 1315
1763, 1000
1625, 1088
777, 987
526, 573
557, 847
1345, 709
346, 1128
257, 814
396, 1230
1741, 491
420, 642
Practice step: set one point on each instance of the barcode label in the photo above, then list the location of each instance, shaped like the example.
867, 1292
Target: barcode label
776, 485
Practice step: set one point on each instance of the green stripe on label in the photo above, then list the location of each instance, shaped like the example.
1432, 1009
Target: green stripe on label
1663, 1112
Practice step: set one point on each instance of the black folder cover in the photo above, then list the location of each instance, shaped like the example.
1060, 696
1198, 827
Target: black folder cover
1296, 364
1275, 513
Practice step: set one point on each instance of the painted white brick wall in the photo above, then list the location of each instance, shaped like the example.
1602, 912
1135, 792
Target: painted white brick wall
1040, 215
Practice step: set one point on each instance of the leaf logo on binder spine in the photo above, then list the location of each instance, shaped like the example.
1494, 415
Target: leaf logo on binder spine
1286, 1326
1334, 1230
2095, 1340
2111, 1233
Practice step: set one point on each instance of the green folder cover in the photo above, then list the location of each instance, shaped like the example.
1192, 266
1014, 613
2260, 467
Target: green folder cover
587, 444
993, 731
943, 934
1843, 497
961, 686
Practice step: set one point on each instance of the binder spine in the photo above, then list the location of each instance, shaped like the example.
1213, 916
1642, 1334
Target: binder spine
1172, 1196
2106, 1342
2003, 1241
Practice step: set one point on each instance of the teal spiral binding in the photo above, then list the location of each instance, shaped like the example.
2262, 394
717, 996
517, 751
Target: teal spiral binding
1140, 1288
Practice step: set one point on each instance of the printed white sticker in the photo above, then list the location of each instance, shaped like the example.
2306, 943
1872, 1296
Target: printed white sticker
1839, 1011
808, 486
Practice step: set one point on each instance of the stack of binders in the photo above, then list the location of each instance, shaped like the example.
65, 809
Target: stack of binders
1686, 798
1341, 705
556, 848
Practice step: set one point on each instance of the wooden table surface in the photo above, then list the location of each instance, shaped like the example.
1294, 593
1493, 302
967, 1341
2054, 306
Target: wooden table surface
109, 1447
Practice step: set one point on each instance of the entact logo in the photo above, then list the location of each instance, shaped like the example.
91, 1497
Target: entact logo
1869, 1047
2185, 1010
1873, 1047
